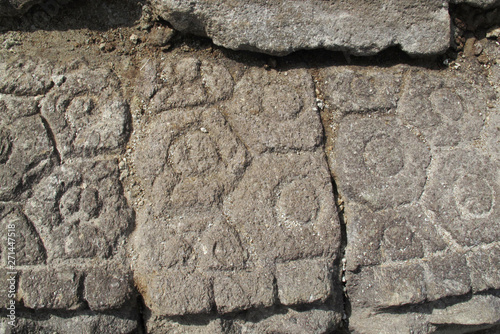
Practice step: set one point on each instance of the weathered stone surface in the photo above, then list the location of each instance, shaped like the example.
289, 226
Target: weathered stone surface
25, 76
461, 193
418, 177
275, 111
80, 211
478, 311
8, 284
86, 112
381, 287
212, 196
445, 109
281, 27
50, 289
243, 290
29, 249
177, 292
234, 204
26, 151
379, 162
483, 265
290, 321
400, 234
275, 223
158, 325
184, 83
190, 158
282, 320
356, 89
77, 323
108, 287
304, 281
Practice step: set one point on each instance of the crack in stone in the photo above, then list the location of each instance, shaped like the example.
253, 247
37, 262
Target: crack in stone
52, 138
339, 204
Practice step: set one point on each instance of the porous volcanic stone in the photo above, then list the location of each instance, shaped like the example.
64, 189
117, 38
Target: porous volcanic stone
80, 211
418, 178
238, 211
279, 27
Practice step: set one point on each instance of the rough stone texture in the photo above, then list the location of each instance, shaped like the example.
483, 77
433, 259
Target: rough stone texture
161, 184
79, 211
281, 27
26, 151
276, 111
108, 288
291, 321
234, 204
86, 322
63, 212
444, 109
357, 89
60, 289
86, 112
29, 247
417, 174
184, 83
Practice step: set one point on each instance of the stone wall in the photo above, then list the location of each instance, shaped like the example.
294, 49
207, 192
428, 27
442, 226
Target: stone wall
154, 182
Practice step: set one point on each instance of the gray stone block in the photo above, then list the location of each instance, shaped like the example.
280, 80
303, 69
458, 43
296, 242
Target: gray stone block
45, 288
79, 211
379, 162
108, 288
284, 209
461, 192
27, 246
86, 113
387, 286
176, 292
241, 290
183, 83
275, 111
356, 89
445, 109
304, 281
281, 27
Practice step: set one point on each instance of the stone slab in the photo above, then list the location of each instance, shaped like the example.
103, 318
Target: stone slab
418, 178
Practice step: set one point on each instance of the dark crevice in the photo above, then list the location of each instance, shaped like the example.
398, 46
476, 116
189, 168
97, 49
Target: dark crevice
441, 303
52, 139
340, 260
141, 316
81, 291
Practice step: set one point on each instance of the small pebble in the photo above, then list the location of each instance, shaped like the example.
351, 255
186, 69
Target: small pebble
58, 79
134, 38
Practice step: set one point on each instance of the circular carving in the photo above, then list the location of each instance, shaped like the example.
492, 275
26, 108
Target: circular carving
384, 156
281, 102
379, 162
445, 101
80, 210
297, 202
462, 191
473, 195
